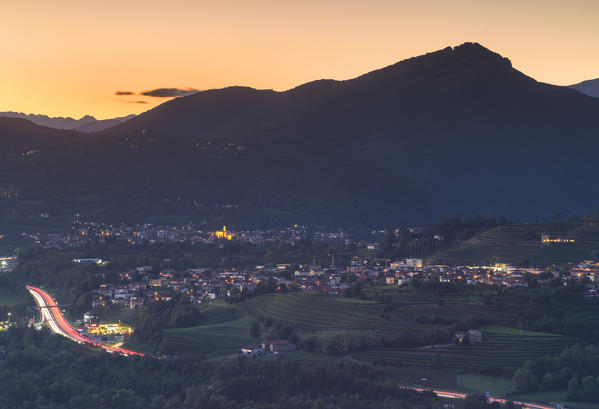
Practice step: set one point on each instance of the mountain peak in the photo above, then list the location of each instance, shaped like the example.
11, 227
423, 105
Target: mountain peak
476, 50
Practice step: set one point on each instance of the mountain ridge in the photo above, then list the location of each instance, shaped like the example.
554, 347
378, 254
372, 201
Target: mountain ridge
86, 123
588, 87
457, 132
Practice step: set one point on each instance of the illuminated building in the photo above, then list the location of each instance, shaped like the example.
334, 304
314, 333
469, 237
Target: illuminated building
223, 234
546, 238
109, 329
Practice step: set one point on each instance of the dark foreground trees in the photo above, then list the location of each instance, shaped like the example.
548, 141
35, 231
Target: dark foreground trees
44, 370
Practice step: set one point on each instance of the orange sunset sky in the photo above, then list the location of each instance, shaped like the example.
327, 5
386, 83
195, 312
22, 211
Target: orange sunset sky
68, 58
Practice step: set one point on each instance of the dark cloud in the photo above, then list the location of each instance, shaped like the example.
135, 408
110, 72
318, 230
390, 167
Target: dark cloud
169, 92
137, 102
124, 93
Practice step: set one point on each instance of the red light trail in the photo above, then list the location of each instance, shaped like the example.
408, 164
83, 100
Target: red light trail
49, 309
456, 395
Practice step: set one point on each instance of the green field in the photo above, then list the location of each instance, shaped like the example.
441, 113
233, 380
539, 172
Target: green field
314, 311
502, 346
226, 327
516, 244
208, 340
225, 330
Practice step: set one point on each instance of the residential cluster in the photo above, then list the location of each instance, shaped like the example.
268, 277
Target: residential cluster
142, 285
92, 232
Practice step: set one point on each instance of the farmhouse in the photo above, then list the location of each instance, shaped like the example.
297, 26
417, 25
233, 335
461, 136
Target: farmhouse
547, 238
278, 346
472, 336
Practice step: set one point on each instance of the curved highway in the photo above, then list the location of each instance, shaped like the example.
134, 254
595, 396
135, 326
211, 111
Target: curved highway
456, 395
59, 325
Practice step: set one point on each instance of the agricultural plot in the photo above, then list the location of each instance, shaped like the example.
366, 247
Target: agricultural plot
225, 327
215, 314
316, 311
208, 340
500, 346
588, 310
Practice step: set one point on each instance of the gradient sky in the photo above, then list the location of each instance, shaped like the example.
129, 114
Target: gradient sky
69, 57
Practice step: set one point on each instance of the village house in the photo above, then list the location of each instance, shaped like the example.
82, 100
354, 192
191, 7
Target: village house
278, 346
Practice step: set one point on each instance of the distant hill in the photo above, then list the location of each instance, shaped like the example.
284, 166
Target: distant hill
590, 87
86, 123
455, 132
22, 137
101, 124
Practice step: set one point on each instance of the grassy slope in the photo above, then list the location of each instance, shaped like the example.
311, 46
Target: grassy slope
517, 243
226, 329
507, 349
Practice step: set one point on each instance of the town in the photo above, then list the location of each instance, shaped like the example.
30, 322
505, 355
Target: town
141, 285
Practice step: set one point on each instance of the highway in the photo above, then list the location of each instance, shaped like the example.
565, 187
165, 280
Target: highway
59, 325
456, 395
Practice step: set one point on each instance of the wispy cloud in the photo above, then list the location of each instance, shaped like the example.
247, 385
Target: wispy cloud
136, 102
169, 92
124, 93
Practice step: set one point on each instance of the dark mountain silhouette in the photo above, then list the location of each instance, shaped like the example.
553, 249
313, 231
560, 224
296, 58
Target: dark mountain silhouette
86, 123
590, 87
101, 124
20, 136
453, 132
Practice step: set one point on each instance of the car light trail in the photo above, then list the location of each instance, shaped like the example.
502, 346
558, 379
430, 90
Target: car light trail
59, 325
456, 395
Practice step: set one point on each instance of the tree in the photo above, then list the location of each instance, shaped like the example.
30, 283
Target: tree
123, 398
475, 401
573, 389
309, 344
255, 329
590, 389
525, 380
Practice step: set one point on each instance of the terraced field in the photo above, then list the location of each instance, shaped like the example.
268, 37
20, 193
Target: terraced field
517, 243
500, 345
226, 327
317, 311
215, 314
208, 340
588, 310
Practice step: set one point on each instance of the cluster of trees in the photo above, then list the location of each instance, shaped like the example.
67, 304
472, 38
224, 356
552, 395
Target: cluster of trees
276, 330
554, 299
44, 370
576, 368
154, 317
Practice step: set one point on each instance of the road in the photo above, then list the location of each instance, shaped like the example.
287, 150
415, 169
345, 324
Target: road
59, 325
456, 395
